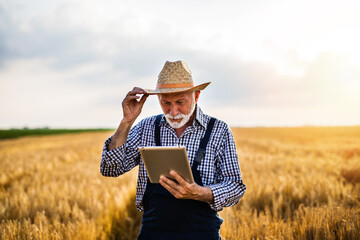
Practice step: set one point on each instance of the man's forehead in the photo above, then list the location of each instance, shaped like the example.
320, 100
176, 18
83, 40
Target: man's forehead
175, 95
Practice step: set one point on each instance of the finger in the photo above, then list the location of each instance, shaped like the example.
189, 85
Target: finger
129, 98
167, 186
143, 99
134, 92
169, 182
172, 191
178, 178
138, 89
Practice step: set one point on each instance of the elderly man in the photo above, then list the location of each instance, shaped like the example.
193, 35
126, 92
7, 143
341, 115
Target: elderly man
177, 209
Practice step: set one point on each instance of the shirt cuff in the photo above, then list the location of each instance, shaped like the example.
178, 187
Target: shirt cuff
111, 157
219, 197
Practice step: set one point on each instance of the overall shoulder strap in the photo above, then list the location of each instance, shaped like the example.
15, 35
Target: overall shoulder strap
204, 141
157, 129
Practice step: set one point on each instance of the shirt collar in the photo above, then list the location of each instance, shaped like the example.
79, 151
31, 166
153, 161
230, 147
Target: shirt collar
199, 117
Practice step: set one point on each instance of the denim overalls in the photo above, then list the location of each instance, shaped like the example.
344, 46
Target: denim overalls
166, 217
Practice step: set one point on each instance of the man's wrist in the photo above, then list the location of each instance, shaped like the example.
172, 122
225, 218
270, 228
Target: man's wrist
126, 123
120, 135
205, 195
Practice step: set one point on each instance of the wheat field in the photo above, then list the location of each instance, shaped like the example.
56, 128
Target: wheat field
302, 183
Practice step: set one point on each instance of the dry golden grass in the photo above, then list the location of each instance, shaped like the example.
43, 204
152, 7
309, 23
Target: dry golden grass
51, 188
302, 183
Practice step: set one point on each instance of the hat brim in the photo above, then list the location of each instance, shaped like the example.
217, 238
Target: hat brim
176, 90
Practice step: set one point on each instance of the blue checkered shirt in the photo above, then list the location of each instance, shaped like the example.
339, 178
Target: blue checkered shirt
219, 169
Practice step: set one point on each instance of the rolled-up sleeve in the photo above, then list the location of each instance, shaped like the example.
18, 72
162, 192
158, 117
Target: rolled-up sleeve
124, 158
229, 188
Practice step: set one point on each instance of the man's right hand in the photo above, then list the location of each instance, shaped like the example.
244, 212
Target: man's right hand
131, 110
131, 104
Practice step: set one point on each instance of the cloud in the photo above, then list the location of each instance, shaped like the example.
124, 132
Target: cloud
253, 93
69, 63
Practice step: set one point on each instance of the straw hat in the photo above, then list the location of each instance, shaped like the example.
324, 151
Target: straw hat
175, 77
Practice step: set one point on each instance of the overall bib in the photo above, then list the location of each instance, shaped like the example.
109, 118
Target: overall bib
166, 217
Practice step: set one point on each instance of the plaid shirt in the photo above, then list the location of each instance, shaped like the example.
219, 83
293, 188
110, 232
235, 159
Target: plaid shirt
219, 169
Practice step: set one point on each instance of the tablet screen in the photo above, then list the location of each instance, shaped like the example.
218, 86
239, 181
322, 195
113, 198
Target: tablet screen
161, 160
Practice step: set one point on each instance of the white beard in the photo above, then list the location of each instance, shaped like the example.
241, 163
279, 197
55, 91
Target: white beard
184, 118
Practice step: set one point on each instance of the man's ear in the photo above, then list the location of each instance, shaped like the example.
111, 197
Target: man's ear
197, 94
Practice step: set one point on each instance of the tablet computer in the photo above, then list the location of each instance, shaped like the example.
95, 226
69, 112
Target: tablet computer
160, 160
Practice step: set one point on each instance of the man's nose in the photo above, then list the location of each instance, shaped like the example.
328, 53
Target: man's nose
173, 111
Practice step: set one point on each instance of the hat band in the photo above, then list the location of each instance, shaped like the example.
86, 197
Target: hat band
175, 85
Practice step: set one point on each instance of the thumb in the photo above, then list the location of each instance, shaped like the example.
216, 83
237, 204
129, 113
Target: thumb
143, 99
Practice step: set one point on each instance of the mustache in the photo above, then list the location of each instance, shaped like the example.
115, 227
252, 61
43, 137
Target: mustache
177, 116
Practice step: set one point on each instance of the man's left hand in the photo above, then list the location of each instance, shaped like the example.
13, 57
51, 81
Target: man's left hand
181, 189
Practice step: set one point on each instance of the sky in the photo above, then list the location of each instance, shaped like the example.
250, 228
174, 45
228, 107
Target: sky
69, 63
